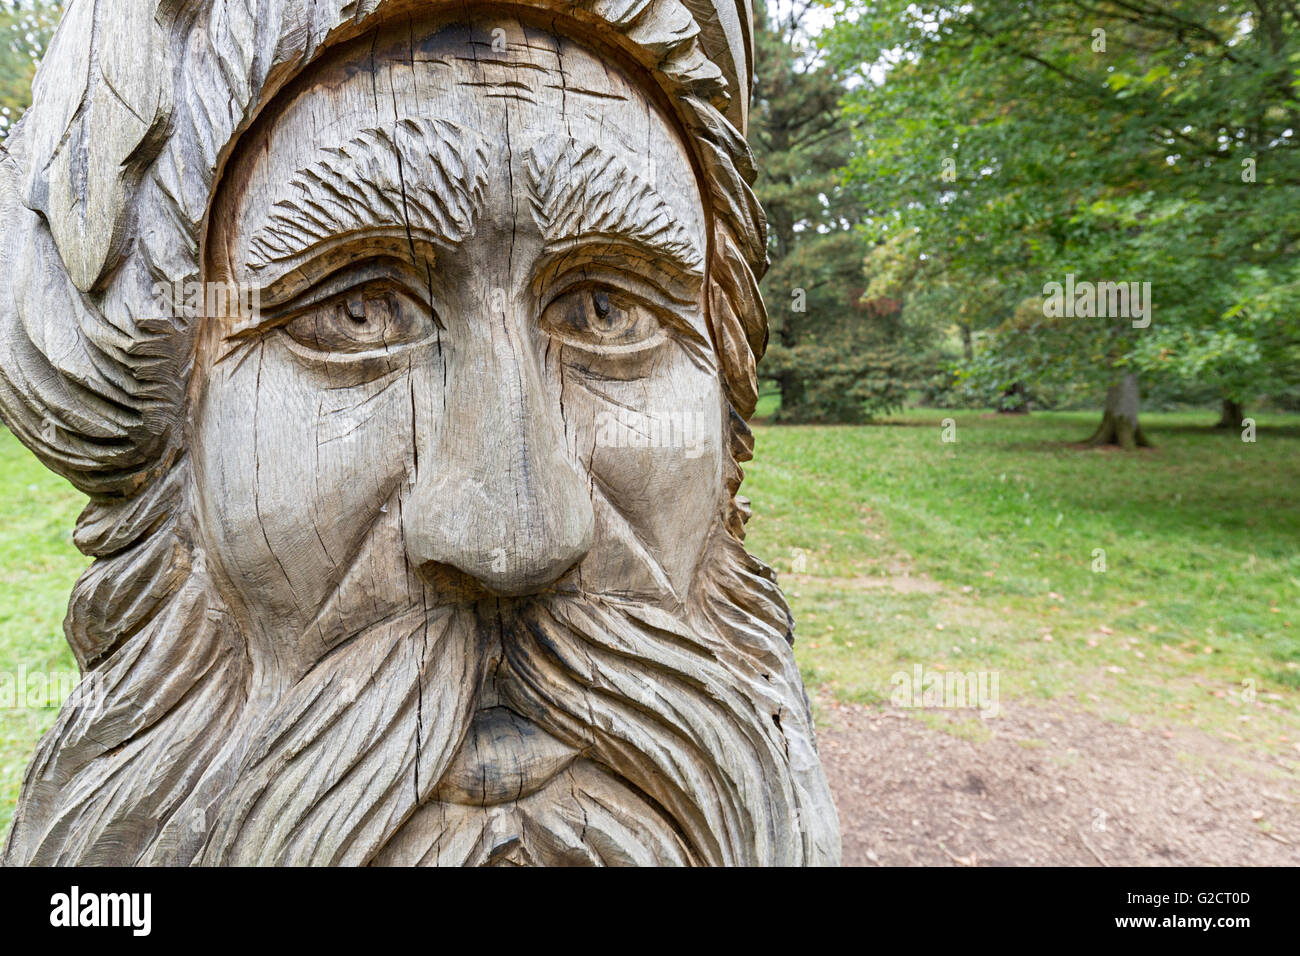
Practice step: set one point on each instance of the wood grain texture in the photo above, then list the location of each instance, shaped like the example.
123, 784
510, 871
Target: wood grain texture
405, 352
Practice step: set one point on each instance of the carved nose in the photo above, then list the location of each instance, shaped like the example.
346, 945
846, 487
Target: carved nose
496, 496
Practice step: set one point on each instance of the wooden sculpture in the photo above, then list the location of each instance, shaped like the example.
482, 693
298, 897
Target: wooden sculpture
404, 350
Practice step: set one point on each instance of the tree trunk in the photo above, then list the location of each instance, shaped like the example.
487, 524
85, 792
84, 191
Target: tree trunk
1233, 413
967, 342
791, 385
1014, 400
1119, 422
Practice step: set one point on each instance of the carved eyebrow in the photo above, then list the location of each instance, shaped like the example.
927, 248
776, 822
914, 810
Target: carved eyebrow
579, 190
426, 177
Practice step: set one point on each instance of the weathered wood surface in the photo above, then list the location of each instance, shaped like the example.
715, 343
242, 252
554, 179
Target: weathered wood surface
405, 352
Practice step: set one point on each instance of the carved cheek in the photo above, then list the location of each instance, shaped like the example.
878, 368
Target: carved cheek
293, 476
654, 448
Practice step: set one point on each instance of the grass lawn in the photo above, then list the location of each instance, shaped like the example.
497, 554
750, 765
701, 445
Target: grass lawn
979, 555
976, 555
38, 565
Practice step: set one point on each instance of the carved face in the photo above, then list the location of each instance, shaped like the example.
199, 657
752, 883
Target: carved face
481, 366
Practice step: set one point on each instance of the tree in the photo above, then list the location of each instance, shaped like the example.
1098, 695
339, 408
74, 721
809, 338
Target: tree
831, 356
1100, 140
939, 304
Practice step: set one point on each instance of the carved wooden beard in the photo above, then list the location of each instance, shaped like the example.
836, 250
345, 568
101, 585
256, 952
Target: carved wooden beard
433, 617
622, 735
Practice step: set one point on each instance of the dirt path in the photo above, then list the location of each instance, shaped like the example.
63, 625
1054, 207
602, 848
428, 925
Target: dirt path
1053, 786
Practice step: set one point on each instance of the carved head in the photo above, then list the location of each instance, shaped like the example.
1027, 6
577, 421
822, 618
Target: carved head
419, 542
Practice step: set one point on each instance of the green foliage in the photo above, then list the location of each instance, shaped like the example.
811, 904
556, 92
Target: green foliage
841, 385
26, 27
822, 357
1253, 348
1002, 148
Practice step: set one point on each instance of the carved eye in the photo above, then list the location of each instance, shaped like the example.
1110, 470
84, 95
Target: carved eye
602, 317
366, 319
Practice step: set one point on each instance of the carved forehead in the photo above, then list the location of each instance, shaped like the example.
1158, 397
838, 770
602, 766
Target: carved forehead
435, 127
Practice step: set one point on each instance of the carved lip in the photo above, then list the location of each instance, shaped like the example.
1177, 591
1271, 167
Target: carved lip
504, 758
